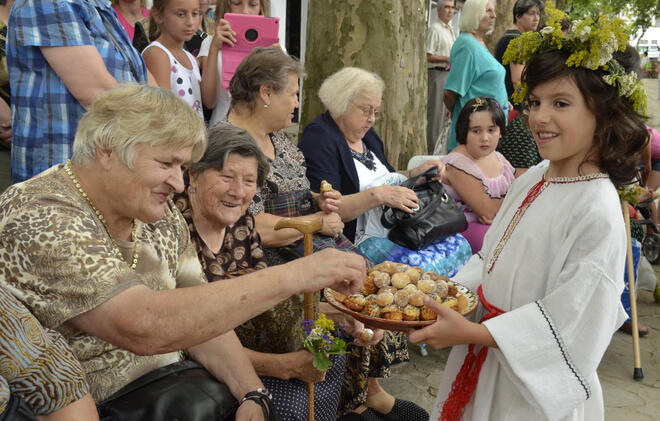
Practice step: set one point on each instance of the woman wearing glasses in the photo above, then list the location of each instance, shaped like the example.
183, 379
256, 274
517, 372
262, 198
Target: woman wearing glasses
341, 147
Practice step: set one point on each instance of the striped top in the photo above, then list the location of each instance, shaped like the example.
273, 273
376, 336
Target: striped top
35, 363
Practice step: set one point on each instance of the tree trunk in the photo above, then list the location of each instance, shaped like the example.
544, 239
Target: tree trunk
383, 36
504, 21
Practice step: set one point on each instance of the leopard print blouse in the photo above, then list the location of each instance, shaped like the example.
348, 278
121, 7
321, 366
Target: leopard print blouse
58, 260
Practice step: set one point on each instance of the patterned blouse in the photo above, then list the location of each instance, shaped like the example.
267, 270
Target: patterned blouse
271, 331
59, 262
37, 363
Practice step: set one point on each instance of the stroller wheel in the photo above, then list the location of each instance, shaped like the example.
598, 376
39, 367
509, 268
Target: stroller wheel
651, 248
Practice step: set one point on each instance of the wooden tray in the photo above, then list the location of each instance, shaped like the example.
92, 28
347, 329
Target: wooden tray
467, 303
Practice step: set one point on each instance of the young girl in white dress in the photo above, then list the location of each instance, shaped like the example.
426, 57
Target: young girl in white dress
173, 67
550, 273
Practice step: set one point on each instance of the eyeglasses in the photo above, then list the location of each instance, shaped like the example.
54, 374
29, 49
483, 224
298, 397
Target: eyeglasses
367, 110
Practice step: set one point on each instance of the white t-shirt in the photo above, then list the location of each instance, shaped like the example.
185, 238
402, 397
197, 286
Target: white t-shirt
223, 99
439, 39
368, 224
184, 82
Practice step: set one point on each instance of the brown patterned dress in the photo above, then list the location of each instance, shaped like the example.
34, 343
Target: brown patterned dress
288, 174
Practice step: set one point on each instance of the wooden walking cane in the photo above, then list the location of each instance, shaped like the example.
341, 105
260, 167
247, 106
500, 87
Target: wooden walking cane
307, 226
637, 372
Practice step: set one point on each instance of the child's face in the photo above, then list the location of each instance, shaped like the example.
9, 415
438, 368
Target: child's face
483, 135
562, 125
180, 19
245, 7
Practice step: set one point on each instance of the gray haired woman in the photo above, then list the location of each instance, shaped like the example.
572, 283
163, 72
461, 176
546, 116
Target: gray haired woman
220, 187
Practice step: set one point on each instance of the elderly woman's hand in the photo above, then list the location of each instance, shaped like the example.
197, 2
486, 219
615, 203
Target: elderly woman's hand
342, 271
397, 197
332, 224
428, 164
329, 201
298, 365
356, 330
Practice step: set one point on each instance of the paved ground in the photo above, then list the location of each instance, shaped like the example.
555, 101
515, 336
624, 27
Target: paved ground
625, 398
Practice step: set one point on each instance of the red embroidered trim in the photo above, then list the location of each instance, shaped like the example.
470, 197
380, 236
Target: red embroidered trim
466, 380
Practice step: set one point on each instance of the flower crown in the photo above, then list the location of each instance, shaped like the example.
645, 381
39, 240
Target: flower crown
591, 44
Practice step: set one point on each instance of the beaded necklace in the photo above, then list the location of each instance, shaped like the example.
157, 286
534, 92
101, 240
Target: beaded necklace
74, 180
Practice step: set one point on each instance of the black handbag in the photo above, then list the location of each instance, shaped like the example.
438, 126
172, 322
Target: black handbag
182, 391
437, 217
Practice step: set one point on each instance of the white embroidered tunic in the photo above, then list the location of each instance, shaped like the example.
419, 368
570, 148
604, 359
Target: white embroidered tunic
559, 276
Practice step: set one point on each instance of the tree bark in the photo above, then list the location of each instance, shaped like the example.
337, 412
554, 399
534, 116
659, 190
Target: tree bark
383, 36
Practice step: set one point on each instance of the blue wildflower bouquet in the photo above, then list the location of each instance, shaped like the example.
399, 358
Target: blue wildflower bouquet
322, 339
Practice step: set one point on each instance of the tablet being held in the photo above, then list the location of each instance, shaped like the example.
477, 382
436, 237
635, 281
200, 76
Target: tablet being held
251, 31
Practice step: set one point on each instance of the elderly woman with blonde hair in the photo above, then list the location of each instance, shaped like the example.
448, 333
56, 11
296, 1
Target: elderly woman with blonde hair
96, 250
342, 147
474, 71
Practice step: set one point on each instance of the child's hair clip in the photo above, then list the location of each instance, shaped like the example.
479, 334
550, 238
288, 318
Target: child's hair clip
478, 103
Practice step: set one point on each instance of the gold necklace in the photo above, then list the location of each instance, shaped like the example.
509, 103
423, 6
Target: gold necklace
67, 169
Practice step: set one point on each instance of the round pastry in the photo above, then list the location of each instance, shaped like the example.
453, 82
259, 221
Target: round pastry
411, 313
426, 275
325, 186
371, 298
442, 288
372, 309
381, 279
452, 290
369, 287
401, 267
384, 299
428, 314
427, 286
410, 288
366, 335
355, 302
414, 274
386, 266
451, 302
338, 296
401, 298
386, 289
392, 312
417, 298
400, 280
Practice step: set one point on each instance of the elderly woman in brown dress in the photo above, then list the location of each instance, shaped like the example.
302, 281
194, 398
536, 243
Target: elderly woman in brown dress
264, 97
220, 188
97, 251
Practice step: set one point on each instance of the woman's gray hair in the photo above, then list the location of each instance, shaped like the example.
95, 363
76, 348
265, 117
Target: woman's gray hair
131, 114
471, 15
225, 140
343, 86
264, 66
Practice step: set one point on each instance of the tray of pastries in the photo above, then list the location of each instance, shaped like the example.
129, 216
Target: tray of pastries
393, 293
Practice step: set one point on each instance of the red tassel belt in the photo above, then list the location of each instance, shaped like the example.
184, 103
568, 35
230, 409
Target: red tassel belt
465, 382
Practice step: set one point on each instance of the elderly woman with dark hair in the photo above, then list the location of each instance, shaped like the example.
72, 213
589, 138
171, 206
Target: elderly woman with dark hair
474, 71
220, 188
96, 250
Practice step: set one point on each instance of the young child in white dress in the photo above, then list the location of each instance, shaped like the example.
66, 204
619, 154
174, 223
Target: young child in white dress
173, 67
550, 273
